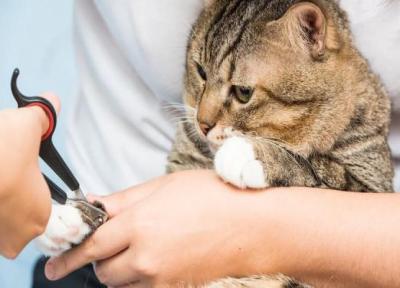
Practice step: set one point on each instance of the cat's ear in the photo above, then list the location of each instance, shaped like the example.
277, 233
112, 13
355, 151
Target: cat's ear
309, 25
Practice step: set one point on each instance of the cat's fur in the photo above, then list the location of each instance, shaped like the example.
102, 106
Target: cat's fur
65, 229
318, 116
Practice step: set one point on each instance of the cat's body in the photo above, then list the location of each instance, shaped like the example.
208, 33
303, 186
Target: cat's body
315, 122
276, 94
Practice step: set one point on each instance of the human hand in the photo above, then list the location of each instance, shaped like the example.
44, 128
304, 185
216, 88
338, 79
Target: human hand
21, 131
188, 227
25, 198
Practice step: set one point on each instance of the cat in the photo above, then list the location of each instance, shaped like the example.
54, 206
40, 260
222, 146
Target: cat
277, 95
66, 228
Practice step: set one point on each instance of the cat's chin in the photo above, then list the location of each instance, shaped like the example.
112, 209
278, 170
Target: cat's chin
213, 147
219, 135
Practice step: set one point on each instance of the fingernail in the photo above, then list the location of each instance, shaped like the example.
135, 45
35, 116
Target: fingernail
49, 270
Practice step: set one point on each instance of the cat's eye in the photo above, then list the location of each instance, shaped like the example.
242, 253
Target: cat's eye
201, 72
242, 94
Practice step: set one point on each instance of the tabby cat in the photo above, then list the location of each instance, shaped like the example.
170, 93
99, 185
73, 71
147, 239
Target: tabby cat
276, 94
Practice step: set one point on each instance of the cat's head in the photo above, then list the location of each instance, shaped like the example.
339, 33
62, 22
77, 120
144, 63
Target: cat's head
270, 68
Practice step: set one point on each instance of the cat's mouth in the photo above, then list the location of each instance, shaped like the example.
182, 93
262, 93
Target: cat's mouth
218, 135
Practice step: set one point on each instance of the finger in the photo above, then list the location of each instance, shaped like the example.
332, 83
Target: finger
54, 100
40, 113
138, 284
97, 247
118, 270
120, 201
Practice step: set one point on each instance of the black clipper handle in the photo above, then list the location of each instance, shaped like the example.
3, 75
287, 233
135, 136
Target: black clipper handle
48, 152
57, 194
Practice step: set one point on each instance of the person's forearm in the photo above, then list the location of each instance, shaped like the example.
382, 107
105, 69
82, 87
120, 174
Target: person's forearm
24, 199
14, 128
23, 216
329, 238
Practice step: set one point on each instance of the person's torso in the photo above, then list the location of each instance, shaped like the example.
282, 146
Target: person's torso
131, 57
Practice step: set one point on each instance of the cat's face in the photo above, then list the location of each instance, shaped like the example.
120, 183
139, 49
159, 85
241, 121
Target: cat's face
257, 68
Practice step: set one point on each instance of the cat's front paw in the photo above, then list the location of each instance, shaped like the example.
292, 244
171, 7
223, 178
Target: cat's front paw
236, 163
65, 229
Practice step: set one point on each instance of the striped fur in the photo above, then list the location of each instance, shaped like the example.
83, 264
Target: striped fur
318, 116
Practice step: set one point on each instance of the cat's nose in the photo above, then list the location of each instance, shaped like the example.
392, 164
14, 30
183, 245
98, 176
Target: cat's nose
206, 127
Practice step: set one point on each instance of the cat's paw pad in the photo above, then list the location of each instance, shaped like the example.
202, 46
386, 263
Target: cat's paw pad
65, 229
236, 163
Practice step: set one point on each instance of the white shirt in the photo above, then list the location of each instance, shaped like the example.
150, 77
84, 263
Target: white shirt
131, 57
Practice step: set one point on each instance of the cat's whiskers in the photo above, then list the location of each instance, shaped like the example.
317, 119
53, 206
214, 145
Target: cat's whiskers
180, 113
179, 106
192, 131
187, 116
184, 117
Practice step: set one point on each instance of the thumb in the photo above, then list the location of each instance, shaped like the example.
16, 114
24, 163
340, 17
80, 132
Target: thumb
120, 201
39, 114
113, 203
53, 99
44, 120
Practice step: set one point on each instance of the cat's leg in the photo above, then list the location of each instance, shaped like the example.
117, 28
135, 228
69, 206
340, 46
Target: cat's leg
261, 164
65, 229
236, 163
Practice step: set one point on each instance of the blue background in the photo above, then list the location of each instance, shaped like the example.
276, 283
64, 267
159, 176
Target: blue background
37, 37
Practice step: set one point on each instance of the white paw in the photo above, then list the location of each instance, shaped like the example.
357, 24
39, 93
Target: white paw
65, 228
236, 163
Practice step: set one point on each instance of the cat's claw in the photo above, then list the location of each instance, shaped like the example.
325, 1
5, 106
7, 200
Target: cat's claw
65, 229
236, 163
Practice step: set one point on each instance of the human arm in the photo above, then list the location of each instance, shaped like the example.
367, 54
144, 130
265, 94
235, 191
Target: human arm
25, 201
192, 227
